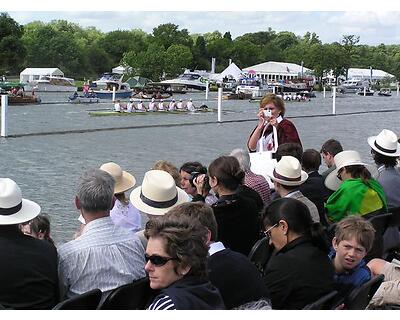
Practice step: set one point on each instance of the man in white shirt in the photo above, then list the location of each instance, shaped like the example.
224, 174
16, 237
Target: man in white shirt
104, 256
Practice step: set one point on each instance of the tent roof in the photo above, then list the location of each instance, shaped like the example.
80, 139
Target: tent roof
232, 70
138, 81
42, 71
366, 73
277, 67
121, 69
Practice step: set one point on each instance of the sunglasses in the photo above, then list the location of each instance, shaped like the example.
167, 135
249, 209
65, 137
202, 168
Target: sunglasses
156, 260
267, 232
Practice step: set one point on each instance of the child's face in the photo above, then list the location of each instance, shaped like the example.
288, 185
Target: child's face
349, 253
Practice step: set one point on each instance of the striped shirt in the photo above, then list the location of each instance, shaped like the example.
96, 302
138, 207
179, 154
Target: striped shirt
162, 302
105, 256
258, 183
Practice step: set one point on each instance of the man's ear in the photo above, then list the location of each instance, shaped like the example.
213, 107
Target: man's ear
284, 226
77, 203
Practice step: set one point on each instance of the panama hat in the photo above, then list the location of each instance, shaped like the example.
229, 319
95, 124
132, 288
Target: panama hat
385, 143
158, 193
123, 180
13, 208
344, 159
288, 172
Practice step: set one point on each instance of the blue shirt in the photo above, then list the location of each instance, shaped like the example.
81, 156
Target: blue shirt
351, 279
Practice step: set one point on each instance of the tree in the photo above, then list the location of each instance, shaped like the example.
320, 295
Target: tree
349, 42
168, 34
12, 50
178, 57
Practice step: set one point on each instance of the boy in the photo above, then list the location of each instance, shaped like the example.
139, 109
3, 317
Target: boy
353, 239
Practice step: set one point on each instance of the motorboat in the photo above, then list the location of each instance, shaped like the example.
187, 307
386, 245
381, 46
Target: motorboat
196, 80
22, 99
385, 92
365, 92
253, 87
103, 87
85, 98
352, 85
49, 83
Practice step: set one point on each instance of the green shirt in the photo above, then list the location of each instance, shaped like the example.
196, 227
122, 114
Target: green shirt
354, 197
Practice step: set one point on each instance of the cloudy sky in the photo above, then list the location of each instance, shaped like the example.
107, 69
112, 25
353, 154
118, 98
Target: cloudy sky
373, 27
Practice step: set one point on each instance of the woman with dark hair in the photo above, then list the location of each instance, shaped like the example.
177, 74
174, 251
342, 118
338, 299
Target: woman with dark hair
300, 271
176, 256
237, 208
356, 191
270, 115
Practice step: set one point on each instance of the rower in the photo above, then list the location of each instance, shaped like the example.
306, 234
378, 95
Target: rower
180, 105
130, 105
117, 106
190, 105
140, 106
172, 106
161, 105
152, 105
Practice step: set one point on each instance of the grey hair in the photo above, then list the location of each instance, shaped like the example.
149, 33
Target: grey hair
243, 157
96, 190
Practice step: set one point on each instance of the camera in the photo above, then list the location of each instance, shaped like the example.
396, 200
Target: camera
194, 175
267, 113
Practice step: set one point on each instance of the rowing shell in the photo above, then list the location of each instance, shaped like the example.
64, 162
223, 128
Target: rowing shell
115, 113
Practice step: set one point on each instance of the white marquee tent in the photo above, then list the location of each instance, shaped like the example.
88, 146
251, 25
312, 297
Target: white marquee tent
31, 74
274, 71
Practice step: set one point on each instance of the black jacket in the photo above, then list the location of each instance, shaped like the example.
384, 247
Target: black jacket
300, 273
238, 220
193, 293
237, 279
28, 271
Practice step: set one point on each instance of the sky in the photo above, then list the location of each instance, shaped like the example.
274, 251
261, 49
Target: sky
373, 27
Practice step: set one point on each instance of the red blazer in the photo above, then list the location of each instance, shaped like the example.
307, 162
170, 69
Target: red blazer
287, 133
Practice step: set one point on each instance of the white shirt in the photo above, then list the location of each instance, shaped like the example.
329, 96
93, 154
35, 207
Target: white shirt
179, 105
171, 106
126, 216
140, 106
190, 106
105, 256
117, 107
151, 106
160, 106
129, 106
215, 247
267, 143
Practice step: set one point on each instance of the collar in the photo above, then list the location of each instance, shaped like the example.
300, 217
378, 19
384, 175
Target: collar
279, 119
332, 255
294, 243
215, 247
292, 194
98, 223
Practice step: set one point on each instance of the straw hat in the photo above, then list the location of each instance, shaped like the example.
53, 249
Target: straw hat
123, 180
158, 193
288, 172
385, 143
13, 208
344, 159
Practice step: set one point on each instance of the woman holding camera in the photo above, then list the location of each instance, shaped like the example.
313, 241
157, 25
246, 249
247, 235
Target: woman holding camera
270, 115
176, 256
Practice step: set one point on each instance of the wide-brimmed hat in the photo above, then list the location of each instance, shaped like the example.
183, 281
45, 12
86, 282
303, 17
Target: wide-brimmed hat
288, 172
385, 143
13, 208
123, 180
344, 159
158, 193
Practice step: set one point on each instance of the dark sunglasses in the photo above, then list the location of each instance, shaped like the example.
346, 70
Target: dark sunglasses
158, 261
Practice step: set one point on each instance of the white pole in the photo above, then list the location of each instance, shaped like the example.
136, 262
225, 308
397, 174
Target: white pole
113, 94
324, 92
273, 89
219, 103
334, 100
365, 91
4, 122
207, 90
397, 89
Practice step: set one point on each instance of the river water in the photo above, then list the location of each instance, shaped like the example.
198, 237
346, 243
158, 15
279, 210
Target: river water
47, 165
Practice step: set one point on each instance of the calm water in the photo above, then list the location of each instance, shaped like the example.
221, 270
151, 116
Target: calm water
47, 167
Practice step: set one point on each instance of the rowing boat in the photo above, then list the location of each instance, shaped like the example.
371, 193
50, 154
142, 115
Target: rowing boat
116, 113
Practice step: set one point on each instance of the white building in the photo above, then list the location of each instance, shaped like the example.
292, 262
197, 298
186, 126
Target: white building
272, 71
33, 74
368, 74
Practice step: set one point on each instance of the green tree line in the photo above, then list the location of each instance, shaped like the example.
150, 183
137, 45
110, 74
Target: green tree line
168, 50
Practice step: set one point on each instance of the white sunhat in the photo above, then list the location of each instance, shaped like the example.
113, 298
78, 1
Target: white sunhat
123, 180
344, 159
288, 172
13, 208
385, 143
158, 193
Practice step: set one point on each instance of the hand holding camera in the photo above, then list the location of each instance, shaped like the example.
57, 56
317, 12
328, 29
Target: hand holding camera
200, 181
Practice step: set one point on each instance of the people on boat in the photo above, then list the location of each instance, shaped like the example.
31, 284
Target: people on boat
271, 115
161, 105
190, 106
179, 105
172, 105
117, 106
140, 106
152, 105
130, 106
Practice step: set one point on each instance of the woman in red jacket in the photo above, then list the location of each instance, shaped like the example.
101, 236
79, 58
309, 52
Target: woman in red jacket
270, 115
